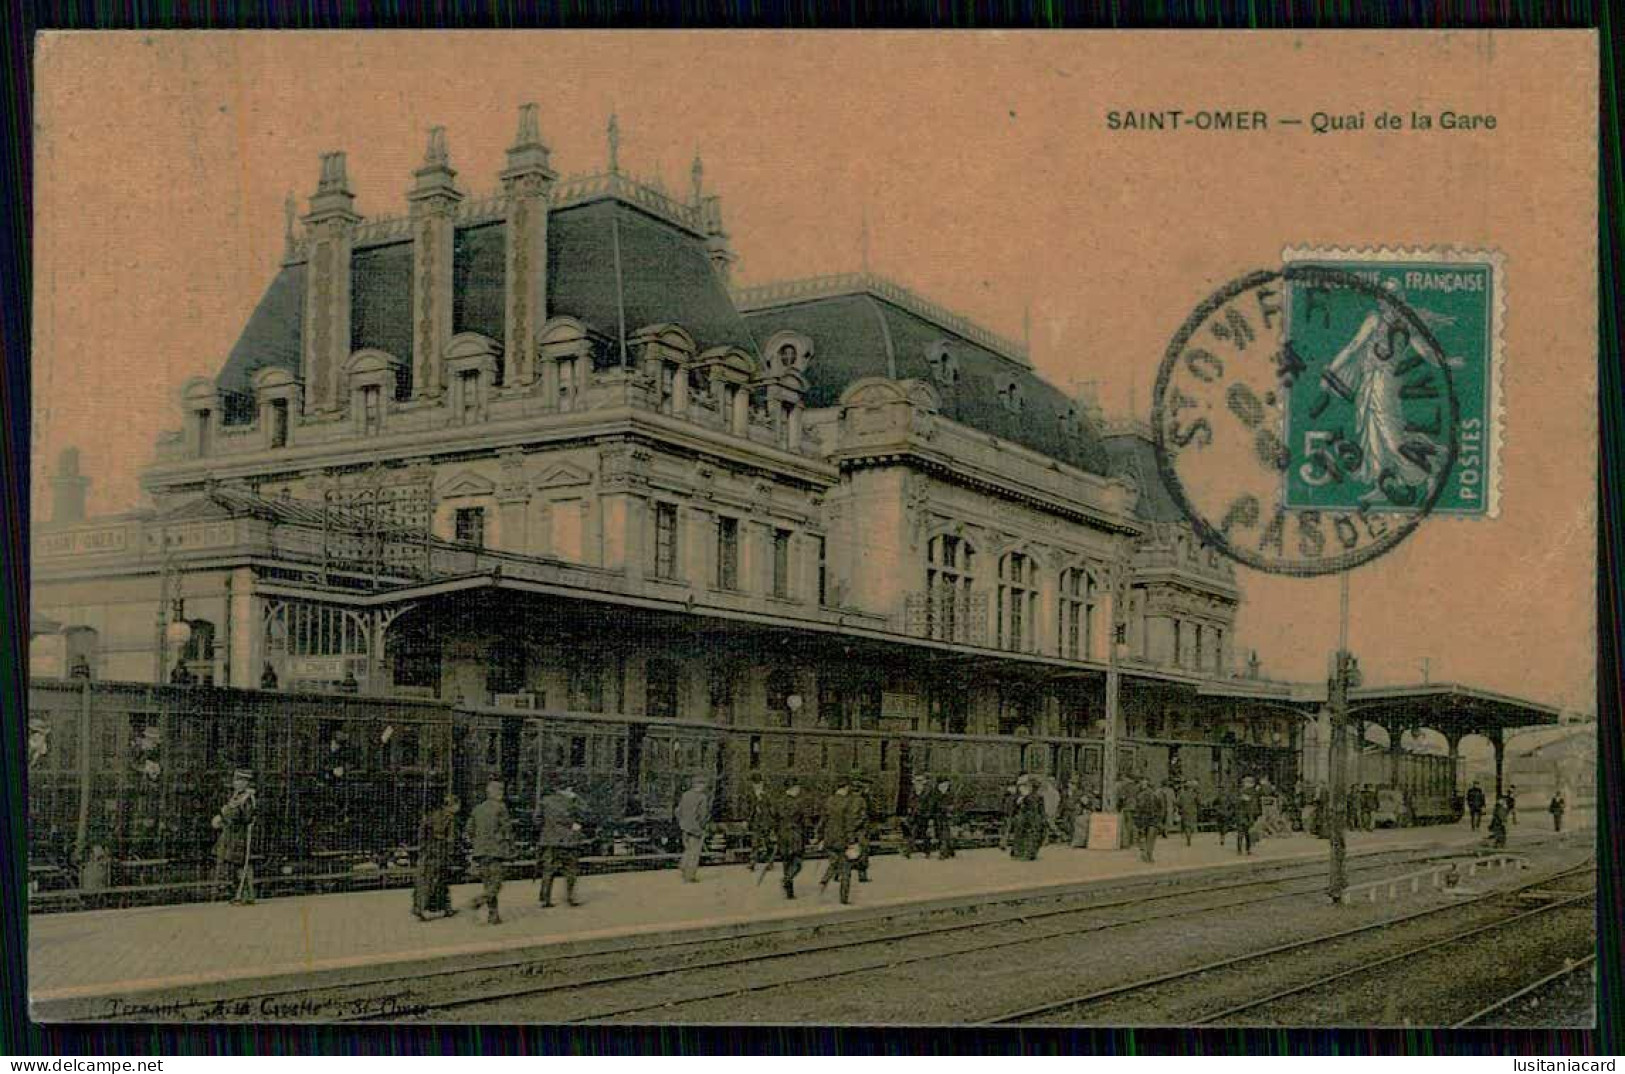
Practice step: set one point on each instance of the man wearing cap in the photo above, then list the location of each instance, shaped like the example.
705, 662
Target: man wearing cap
232, 847
860, 793
921, 806
1475, 805
693, 818
490, 836
842, 821
1026, 821
759, 823
437, 844
791, 833
1247, 814
944, 815
559, 825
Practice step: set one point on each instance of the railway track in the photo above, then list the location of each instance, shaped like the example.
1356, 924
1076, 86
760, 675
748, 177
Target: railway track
660, 979
1157, 990
1501, 1008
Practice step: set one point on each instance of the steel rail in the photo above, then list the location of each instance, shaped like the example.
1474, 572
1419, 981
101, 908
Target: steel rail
1505, 1001
1253, 956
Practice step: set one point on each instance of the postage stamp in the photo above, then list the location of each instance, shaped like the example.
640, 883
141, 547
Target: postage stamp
1370, 412
1228, 450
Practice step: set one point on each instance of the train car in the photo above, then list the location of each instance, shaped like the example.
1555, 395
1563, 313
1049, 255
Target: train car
1424, 786
135, 772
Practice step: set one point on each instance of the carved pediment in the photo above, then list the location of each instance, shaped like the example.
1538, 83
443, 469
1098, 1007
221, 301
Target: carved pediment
467, 483
563, 475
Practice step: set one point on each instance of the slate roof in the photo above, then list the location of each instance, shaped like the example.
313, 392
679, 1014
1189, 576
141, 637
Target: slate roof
666, 276
1134, 457
864, 335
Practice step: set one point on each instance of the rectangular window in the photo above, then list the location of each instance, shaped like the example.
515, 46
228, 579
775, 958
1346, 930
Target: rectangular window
727, 553
372, 410
823, 570
470, 523
755, 751
469, 390
567, 383
665, 550
205, 429
1198, 665
781, 564
279, 423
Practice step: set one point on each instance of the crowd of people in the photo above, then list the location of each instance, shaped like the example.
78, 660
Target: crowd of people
786, 826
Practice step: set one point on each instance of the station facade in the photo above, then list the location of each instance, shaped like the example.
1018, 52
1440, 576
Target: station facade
533, 449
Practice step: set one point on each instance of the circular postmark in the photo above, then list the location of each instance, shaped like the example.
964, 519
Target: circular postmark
1304, 419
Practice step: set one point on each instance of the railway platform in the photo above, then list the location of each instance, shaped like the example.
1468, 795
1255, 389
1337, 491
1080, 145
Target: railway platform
107, 960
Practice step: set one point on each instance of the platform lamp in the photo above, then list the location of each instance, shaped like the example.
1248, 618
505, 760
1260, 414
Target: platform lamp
792, 705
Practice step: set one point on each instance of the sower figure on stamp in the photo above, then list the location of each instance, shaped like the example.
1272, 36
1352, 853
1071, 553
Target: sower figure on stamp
560, 841
233, 846
791, 834
437, 844
1475, 805
693, 820
490, 837
843, 820
760, 824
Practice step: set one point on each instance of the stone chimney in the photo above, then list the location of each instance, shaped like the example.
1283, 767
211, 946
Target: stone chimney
330, 225
433, 200
527, 181
68, 488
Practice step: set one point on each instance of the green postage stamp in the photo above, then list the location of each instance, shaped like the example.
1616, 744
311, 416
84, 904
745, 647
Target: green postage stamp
1367, 415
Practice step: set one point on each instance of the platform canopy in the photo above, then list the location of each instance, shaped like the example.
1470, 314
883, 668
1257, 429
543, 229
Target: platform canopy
1448, 708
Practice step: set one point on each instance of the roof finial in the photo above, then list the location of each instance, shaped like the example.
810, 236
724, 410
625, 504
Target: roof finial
1027, 328
333, 173
696, 175
289, 210
435, 153
614, 145
529, 132
863, 241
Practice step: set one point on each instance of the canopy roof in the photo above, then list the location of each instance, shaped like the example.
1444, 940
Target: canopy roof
1448, 708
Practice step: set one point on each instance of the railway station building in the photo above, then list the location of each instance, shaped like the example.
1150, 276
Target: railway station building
530, 449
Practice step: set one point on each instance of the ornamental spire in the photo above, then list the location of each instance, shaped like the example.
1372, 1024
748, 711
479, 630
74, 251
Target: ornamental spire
614, 133
696, 175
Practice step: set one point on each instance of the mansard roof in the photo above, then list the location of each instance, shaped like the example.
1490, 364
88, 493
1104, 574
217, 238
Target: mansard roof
873, 329
1132, 456
665, 276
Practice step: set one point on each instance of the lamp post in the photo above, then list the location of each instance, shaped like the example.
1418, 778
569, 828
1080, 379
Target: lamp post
1115, 640
176, 636
792, 705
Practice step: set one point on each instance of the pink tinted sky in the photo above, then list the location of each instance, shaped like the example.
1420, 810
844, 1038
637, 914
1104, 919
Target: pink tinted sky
989, 183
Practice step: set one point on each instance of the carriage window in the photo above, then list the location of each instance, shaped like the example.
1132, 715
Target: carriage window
885, 755
755, 751
620, 755
789, 753
578, 752
493, 747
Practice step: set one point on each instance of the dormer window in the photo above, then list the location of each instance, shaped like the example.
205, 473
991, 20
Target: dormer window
1010, 397
942, 363
278, 411
468, 395
567, 382
204, 421
787, 357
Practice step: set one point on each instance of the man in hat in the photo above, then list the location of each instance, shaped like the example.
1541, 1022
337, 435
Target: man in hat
918, 819
233, 846
1559, 805
490, 836
1512, 803
559, 828
1475, 805
1190, 807
759, 823
1247, 814
945, 814
842, 822
790, 833
437, 843
1149, 809
860, 792
693, 819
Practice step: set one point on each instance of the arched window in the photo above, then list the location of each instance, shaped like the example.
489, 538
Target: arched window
1018, 601
1077, 613
949, 577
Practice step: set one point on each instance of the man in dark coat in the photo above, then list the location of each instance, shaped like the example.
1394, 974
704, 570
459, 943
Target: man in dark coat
790, 834
921, 805
1512, 803
1475, 805
1247, 813
559, 836
1498, 824
944, 815
1149, 808
437, 845
1557, 808
760, 824
693, 821
862, 791
843, 821
1027, 823
1126, 788
490, 837
233, 846
1370, 802
1229, 811
1190, 806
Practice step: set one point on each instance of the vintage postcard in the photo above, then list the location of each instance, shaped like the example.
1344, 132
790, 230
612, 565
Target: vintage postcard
879, 529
